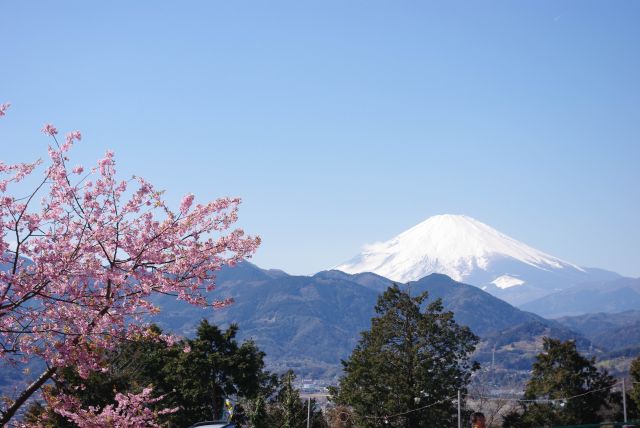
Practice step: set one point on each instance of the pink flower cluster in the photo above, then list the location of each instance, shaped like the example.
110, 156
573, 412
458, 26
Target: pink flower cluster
49, 129
88, 254
129, 411
71, 136
3, 108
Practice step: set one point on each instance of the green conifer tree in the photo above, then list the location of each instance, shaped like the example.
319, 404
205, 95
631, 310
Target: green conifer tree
560, 372
258, 417
290, 411
411, 364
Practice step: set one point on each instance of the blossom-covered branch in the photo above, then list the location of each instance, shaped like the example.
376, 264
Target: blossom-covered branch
130, 411
83, 252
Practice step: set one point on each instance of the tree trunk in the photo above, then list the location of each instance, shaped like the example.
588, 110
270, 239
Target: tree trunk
24, 396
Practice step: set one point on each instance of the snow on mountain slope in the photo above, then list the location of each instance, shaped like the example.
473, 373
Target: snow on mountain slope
469, 251
506, 281
455, 245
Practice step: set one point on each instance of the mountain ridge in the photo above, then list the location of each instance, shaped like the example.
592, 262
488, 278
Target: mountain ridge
310, 323
612, 296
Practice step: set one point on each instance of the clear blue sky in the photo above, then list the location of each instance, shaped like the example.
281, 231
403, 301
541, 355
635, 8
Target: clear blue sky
345, 122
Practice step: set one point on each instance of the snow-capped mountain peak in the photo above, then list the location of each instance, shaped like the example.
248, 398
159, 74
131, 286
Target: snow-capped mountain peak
456, 245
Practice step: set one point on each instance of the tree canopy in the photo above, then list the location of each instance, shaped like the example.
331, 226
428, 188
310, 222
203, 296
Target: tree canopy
194, 383
407, 369
578, 391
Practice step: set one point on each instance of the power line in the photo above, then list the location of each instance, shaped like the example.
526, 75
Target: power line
519, 400
540, 400
413, 410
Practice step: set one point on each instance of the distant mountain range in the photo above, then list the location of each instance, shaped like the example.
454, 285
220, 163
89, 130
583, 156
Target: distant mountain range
616, 334
617, 295
310, 323
470, 251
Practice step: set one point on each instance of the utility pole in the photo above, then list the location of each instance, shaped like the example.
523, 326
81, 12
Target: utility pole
493, 358
459, 411
493, 366
309, 413
624, 400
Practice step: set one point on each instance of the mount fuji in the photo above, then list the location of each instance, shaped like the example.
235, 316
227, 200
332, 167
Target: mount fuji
470, 251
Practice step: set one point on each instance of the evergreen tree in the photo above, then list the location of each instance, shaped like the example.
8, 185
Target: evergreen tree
215, 368
561, 372
513, 419
197, 382
129, 368
290, 410
411, 363
258, 416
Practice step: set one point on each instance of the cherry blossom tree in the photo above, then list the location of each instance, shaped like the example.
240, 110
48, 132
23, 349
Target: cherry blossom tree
82, 253
130, 411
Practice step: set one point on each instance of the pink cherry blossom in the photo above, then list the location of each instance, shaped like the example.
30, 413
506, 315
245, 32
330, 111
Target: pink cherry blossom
3, 108
186, 203
74, 135
71, 136
49, 129
130, 411
85, 257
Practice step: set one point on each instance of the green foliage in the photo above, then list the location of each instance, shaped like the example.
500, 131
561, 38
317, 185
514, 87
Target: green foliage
409, 359
215, 368
288, 410
513, 419
130, 367
258, 416
561, 372
198, 381
292, 410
